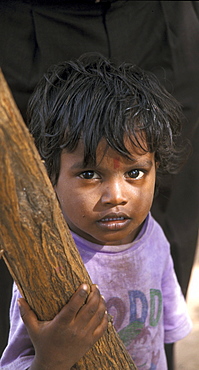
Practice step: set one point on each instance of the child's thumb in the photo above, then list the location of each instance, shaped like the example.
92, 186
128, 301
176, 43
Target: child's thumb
28, 316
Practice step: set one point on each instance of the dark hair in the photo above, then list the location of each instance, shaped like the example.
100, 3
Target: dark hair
91, 99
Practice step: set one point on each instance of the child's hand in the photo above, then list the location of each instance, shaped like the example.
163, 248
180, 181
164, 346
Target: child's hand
61, 342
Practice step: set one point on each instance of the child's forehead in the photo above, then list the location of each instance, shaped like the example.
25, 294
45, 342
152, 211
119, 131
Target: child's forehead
135, 148
136, 153
106, 152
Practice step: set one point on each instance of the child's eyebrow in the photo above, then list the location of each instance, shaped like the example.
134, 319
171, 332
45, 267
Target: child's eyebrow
146, 162
78, 165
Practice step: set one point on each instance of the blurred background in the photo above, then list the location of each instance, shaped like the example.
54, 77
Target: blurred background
187, 350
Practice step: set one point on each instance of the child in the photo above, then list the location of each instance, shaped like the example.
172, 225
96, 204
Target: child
104, 133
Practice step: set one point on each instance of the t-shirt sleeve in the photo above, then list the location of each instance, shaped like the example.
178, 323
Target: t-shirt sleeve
19, 352
177, 323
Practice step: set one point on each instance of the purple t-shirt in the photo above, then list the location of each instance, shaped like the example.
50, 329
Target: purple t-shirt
142, 294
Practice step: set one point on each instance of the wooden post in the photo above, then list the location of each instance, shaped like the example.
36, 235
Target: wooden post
35, 241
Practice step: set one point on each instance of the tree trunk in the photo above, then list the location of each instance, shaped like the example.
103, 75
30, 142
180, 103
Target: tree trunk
36, 243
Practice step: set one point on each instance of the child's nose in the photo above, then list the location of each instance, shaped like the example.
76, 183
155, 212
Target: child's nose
114, 193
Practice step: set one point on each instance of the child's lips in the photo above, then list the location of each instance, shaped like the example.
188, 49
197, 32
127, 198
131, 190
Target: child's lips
114, 222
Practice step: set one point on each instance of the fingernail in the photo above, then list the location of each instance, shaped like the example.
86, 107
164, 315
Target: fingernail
21, 309
85, 287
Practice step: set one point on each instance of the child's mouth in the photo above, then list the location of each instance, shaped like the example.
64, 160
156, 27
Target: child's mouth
107, 219
114, 223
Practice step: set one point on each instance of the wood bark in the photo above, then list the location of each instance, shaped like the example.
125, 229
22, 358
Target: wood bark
35, 240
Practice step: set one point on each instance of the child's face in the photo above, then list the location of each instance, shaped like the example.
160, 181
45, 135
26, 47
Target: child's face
106, 203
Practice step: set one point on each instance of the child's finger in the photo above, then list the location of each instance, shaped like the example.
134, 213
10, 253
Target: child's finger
95, 308
93, 316
101, 327
70, 310
28, 316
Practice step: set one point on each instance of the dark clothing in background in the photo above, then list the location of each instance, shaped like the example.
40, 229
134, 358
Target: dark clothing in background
159, 36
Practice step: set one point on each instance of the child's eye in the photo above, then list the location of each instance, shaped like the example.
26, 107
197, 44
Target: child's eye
135, 174
89, 175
